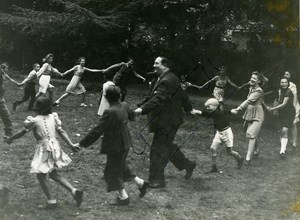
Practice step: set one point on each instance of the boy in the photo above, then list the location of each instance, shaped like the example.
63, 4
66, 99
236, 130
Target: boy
4, 112
116, 143
224, 133
29, 90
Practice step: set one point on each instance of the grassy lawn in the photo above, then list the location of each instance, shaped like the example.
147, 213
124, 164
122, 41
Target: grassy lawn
268, 189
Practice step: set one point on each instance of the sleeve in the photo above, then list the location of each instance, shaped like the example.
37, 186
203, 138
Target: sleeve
131, 115
57, 120
252, 98
187, 106
293, 88
97, 131
159, 98
29, 123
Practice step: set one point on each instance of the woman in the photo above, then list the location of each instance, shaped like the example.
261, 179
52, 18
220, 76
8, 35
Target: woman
254, 113
75, 87
286, 112
45, 74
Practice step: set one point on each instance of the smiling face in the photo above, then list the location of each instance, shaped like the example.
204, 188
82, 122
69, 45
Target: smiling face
284, 83
159, 67
50, 59
82, 62
37, 67
254, 81
287, 75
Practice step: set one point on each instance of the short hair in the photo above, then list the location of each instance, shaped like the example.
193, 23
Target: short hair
113, 93
47, 57
212, 101
166, 62
43, 105
283, 77
288, 73
34, 65
79, 59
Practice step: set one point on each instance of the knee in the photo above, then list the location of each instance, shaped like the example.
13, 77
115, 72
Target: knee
41, 176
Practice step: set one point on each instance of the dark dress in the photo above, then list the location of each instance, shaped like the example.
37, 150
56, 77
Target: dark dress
287, 113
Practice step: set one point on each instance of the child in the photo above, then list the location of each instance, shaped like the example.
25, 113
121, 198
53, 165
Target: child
4, 112
104, 102
75, 87
29, 90
48, 155
286, 112
116, 143
224, 133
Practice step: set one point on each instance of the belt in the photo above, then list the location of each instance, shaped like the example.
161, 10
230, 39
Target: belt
223, 129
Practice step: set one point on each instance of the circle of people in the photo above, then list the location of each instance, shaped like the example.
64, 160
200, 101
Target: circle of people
163, 106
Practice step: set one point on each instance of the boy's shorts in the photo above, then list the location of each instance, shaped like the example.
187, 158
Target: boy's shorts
224, 137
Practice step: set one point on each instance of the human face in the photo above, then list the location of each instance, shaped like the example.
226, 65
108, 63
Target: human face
82, 62
50, 60
254, 80
287, 75
37, 67
158, 66
211, 107
284, 84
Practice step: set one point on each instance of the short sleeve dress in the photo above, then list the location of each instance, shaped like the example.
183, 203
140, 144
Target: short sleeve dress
75, 87
48, 154
287, 113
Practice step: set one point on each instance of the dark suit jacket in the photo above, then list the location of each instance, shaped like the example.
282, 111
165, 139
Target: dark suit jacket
165, 103
113, 124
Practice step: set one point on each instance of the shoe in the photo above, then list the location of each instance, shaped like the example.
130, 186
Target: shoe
122, 202
48, 206
156, 185
14, 106
83, 105
189, 170
282, 156
256, 153
248, 162
240, 163
214, 169
143, 189
78, 197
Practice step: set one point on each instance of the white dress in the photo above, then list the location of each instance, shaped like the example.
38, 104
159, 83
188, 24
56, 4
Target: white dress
48, 154
104, 103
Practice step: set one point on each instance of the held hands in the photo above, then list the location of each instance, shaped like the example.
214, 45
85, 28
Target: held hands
76, 147
234, 111
196, 112
138, 111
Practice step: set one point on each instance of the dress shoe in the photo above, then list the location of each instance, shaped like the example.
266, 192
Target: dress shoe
189, 170
78, 197
213, 169
156, 185
143, 189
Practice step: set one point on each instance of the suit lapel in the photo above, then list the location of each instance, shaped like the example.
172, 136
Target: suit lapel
158, 82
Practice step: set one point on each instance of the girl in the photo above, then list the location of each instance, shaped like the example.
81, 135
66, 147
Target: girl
221, 81
45, 74
254, 113
29, 90
75, 87
286, 112
48, 155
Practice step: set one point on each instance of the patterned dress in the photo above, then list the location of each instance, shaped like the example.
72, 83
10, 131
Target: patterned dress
48, 154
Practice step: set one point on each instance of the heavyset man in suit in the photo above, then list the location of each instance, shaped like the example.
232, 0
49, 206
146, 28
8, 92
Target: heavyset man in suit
164, 108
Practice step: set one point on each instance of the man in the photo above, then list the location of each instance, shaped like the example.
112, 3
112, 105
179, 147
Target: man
164, 109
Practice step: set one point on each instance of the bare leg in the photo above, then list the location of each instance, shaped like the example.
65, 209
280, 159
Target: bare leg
251, 146
295, 135
62, 181
62, 97
44, 184
83, 97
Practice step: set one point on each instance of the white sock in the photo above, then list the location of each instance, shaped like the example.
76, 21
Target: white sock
52, 201
138, 181
284, 142
73, 191
123, 194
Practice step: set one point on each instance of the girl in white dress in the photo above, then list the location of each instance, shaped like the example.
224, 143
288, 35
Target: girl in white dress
75, 87
48, 156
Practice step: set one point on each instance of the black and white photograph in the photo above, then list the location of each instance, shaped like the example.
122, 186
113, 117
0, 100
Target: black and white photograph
149, 109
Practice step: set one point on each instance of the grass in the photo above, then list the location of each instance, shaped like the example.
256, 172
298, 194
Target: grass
269, 189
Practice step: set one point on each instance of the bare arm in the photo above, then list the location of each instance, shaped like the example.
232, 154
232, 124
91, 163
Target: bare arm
193, 85
283, 104
8, 77
209, 81
232, 84
95, 70
70, 70
9, 140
